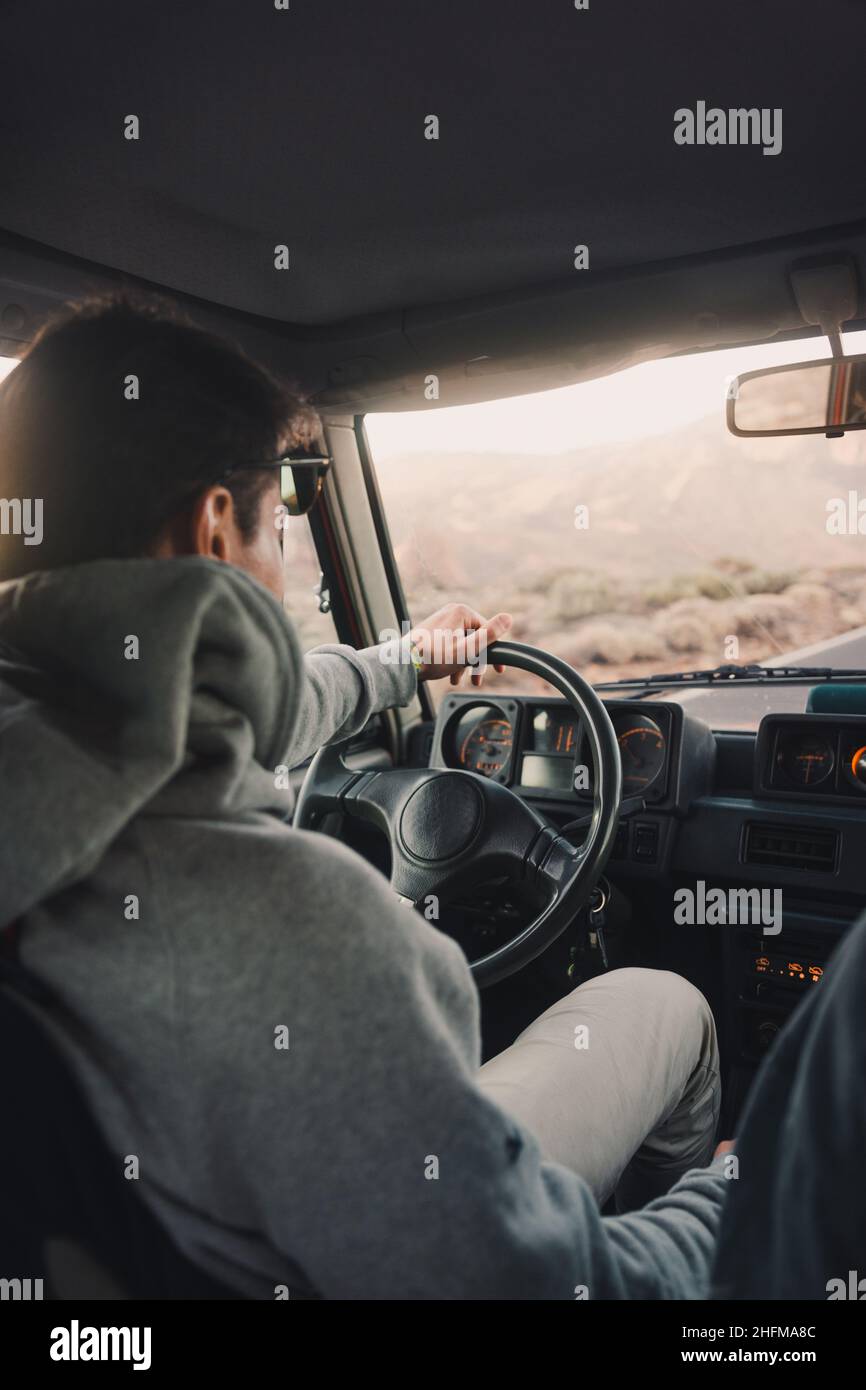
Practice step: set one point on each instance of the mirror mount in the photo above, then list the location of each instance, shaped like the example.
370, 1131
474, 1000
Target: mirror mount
827, 293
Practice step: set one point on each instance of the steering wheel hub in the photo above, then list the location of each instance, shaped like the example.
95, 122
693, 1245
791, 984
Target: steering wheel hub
442, 818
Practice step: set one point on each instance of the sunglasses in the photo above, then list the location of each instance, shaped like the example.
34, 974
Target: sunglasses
302, 478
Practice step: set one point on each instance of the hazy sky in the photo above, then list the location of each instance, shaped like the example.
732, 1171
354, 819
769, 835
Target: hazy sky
650, 399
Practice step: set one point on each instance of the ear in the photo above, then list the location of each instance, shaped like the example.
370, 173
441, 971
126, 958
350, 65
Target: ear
213, 530
207, 527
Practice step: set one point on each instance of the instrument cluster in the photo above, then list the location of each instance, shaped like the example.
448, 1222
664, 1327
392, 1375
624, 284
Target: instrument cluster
539, 747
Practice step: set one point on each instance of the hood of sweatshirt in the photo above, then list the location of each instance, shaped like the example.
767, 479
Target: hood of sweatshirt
129, 687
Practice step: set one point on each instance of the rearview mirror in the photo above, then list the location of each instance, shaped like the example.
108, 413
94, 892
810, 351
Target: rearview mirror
826, 397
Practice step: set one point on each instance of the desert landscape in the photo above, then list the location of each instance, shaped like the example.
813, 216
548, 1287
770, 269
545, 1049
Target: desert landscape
692, 538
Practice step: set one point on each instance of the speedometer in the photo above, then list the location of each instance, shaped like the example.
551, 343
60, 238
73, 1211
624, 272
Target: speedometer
642, 748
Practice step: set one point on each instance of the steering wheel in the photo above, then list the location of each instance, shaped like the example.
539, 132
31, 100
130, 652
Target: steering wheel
450, 830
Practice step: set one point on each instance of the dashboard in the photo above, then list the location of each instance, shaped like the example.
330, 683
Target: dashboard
539, 749
781, 812
783, 807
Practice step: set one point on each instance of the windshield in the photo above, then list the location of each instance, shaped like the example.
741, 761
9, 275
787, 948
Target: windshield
630, 533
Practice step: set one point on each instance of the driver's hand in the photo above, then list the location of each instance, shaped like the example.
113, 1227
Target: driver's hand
454, 639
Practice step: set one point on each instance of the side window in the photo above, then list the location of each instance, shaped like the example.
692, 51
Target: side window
302, 570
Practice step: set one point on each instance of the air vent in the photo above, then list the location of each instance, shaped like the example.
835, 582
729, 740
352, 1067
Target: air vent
789, 848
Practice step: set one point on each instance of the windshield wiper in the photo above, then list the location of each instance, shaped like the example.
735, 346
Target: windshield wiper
740, 675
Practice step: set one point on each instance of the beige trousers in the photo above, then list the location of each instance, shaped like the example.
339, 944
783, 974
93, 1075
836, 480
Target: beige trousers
619, 1080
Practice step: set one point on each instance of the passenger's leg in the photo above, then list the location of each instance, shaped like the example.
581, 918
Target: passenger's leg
619, 1081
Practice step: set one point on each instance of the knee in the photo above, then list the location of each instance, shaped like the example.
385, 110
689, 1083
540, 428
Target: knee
680, 992
687, 1004
672, 995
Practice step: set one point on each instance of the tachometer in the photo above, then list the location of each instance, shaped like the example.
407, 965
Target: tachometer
642, 748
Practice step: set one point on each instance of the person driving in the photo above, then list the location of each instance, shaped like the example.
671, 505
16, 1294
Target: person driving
286, 1060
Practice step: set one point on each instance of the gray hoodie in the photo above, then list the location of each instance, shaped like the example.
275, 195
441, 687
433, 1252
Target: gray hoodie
280, 1047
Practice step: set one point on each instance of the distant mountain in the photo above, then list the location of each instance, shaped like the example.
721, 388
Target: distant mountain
664, 505
693, 537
